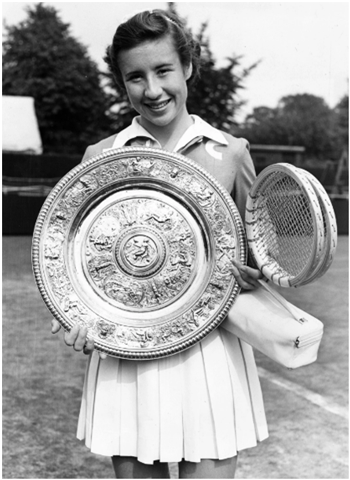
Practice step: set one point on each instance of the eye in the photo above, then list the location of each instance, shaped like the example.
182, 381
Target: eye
163, 71
135, 78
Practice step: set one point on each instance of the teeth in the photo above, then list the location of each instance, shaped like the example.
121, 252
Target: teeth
159, 106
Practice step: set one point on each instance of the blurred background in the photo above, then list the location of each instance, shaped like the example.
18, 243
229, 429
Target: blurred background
274, 73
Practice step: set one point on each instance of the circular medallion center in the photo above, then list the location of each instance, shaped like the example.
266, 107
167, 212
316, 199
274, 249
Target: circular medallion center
140, 253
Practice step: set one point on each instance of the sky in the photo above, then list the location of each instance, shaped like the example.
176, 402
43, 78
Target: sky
302, 47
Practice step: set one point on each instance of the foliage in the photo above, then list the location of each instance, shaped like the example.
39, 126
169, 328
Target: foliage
341, 122
214, 97
41, 59
303, 120
121, 112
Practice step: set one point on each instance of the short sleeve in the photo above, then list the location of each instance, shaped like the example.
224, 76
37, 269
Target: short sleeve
89, 152
244, 178
98, 148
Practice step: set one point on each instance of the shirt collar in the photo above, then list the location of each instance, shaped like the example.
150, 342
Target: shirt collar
198, 129
133, 131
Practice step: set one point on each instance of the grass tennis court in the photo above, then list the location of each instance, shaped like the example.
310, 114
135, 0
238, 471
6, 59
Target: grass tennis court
42, 382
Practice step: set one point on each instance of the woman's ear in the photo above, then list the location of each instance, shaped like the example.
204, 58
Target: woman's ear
188, 71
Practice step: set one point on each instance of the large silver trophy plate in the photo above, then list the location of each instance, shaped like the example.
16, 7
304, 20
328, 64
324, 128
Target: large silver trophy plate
137, 245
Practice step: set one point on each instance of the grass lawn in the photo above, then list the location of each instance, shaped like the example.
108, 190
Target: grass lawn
42, 383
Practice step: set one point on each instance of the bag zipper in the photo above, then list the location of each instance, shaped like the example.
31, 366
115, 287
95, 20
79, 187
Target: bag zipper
299, 343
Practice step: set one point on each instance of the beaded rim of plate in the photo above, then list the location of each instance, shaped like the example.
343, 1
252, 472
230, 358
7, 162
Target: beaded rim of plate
179, 161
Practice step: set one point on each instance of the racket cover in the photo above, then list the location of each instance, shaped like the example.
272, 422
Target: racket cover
262, 321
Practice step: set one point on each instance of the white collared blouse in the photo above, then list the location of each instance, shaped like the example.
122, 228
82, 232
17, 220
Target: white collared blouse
225, 157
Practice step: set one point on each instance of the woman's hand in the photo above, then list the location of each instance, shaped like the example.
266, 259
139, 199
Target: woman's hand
247, 277
76, 338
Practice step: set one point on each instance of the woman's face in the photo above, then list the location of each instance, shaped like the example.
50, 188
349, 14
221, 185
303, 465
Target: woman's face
155, 81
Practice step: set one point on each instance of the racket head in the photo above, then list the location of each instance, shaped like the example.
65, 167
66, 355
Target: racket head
330, 229
284, 225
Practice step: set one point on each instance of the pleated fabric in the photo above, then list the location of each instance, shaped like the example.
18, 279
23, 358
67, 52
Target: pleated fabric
205, 402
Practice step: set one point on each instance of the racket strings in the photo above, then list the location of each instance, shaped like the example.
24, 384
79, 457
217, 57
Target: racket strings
291, 225
285, 225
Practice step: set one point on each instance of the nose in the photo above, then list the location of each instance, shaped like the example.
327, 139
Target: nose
153, 89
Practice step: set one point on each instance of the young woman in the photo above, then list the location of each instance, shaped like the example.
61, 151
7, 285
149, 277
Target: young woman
202, 406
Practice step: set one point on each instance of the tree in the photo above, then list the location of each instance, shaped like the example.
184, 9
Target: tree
260, 127
214, 97
121, 112
307, 120
41, 59
299, 120
341, 123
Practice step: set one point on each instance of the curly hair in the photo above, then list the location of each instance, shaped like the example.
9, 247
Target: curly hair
152, 25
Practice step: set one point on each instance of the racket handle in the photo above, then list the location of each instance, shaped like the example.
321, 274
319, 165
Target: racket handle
288, 306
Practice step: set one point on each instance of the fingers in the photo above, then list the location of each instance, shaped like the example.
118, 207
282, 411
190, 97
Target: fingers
80, 342
76, 337
89, 346
247, 277
241, 280
55, 326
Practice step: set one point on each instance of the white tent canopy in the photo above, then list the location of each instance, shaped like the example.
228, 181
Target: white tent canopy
20, 130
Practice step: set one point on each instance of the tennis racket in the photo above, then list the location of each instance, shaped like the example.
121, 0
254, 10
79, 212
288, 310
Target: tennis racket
284, 225
330, 229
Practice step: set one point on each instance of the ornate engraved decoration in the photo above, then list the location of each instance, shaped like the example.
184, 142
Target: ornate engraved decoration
137, 244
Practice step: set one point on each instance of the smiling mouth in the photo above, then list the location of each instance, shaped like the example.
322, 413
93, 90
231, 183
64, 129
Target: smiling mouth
158, 106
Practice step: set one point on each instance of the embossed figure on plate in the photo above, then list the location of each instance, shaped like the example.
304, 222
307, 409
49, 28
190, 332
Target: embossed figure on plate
142, 253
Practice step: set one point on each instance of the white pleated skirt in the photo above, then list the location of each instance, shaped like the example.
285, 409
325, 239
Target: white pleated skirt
205, 402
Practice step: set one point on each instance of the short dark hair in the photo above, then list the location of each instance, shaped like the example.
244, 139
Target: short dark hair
152, 25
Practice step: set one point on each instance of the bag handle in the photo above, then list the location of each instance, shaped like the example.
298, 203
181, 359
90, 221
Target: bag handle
288, 306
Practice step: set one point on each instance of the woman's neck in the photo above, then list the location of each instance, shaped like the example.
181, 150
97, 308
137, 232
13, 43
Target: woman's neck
169, 135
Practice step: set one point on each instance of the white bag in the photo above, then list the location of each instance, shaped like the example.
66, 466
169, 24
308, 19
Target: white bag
267, 324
